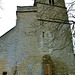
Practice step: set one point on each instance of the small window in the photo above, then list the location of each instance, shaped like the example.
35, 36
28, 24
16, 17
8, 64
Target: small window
43, 34
4, 73
51, 2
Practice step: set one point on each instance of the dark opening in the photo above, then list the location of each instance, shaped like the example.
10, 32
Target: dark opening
43, 34
4, 73
34, 2
51, 2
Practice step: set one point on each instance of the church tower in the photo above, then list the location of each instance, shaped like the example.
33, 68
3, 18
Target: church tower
41, 43
46, 32
54, 9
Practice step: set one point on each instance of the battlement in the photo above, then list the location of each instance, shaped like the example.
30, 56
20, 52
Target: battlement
26, 9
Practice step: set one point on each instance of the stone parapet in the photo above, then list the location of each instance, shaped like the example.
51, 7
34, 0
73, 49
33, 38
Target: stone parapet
26, 9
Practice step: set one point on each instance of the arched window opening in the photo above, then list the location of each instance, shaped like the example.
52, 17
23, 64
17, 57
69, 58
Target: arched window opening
51, 2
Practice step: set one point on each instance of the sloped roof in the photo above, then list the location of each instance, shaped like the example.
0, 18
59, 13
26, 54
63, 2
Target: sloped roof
7, 32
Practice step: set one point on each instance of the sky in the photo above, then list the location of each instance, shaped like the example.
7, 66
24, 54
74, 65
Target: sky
8, 13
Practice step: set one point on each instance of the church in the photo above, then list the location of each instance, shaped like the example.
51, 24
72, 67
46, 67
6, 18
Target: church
40, 43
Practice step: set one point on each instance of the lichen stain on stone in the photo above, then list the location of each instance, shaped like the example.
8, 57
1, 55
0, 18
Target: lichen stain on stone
3, 64
59, 67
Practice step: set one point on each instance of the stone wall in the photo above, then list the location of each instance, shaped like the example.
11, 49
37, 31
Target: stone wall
35, 35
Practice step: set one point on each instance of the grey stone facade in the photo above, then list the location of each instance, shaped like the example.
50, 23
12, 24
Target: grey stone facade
40, 30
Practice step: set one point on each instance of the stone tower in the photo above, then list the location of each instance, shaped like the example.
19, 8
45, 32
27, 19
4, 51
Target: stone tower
42, 31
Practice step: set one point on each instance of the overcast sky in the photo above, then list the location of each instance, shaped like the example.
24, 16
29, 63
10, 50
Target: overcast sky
8, 13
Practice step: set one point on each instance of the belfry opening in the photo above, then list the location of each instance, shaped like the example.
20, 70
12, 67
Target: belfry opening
51, 2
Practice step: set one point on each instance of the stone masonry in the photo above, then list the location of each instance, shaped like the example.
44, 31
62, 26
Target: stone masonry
40, 30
